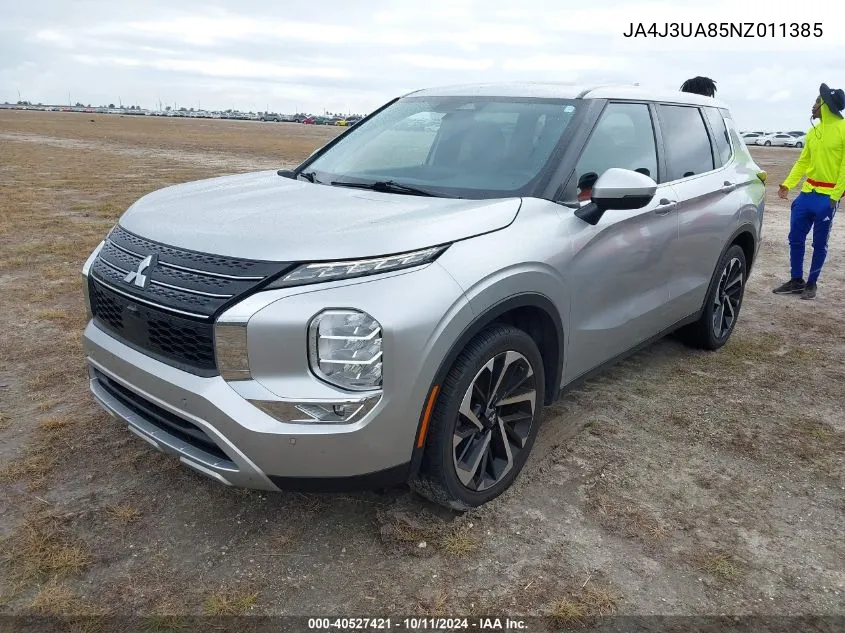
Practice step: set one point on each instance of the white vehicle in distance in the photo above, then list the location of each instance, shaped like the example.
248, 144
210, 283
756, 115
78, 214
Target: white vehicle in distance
779, 140
768, 140
796, 141
750, 138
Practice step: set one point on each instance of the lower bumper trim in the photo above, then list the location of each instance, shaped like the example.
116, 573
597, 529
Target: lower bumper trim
387, 478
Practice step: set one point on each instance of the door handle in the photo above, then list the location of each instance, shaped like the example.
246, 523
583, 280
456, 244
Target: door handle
665, 206
728, 186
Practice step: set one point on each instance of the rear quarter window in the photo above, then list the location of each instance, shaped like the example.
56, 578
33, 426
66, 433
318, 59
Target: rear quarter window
721, 138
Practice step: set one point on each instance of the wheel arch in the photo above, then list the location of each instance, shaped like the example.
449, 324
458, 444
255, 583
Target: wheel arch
532, 312
745, 239
745, 236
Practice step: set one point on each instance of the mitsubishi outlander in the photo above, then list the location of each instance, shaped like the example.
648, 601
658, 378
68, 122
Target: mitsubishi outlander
400, 306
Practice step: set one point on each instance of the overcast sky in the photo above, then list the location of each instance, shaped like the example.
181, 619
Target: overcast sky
348, 56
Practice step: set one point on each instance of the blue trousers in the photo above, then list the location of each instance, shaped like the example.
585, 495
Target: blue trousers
809, 210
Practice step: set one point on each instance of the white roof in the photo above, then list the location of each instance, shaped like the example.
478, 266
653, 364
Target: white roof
552, 90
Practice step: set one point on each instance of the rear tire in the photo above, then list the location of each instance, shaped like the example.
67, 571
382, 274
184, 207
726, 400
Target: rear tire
484, 421
722, 305
767, 143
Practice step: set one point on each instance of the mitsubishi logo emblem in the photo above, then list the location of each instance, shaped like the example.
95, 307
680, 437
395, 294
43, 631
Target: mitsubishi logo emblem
141, 277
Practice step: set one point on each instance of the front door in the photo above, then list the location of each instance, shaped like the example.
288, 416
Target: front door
619, 270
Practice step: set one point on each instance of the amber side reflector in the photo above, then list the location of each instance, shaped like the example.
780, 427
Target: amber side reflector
762, 176
429, 407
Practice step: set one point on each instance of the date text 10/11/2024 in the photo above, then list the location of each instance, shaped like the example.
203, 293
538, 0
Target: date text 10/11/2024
725, 29
417, 624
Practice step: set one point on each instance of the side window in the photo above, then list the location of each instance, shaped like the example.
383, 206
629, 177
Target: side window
623, 137
686, 141
720, 133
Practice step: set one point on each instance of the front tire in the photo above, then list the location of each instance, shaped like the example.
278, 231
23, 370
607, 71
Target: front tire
485, 420
767, 143
723, 303
799, 145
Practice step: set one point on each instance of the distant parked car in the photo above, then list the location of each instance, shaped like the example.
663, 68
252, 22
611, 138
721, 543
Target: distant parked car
271, 116
797, 141
778, 140
759, 139
750, 138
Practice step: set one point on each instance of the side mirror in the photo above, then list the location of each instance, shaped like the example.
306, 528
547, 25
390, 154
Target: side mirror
618, 189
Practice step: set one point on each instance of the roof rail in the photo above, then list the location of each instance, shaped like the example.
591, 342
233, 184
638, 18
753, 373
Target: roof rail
584, 93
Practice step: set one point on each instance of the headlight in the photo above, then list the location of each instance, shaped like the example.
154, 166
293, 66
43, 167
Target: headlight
345, 349
230, 350
332, 271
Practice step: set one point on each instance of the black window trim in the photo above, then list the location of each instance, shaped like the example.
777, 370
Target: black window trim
714, 135
726, 116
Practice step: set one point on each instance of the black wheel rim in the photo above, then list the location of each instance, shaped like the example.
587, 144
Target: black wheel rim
494, 420
728, 298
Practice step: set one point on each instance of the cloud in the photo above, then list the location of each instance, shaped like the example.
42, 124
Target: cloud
209, 30
445, 63
55, 38
253, 54
780, 95
566, 63
217, 67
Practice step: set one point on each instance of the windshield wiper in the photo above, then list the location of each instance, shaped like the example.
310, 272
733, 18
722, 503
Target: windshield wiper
309, 176
387, 186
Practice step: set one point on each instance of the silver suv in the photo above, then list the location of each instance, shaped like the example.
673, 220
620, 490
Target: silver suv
400, 306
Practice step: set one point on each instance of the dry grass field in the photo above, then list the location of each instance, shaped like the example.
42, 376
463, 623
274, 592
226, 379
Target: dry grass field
679, 483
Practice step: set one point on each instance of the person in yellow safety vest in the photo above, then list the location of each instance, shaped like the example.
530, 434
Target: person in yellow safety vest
822, 161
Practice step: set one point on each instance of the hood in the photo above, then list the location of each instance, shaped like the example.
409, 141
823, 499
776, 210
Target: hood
826, 115
833, 99
265, 216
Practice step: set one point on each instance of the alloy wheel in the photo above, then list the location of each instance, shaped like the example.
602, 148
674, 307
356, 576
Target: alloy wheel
727, 299
494, 420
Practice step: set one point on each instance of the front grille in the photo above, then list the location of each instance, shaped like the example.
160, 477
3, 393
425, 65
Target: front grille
170, 318
180, 341
161, 418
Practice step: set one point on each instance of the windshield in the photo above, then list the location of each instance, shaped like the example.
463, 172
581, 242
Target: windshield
470, 147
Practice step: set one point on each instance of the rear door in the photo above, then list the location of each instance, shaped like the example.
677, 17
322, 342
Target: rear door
619, 270
701, 169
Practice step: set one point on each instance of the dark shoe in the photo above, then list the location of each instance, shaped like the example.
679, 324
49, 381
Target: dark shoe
790, 287
809, 292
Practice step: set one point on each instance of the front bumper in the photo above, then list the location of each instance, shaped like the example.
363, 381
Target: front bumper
141, 392
214, 427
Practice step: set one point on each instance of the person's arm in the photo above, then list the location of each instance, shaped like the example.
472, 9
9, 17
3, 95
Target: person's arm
839, 189
798, 170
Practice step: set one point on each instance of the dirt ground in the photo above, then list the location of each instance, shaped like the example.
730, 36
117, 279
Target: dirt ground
678, 483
